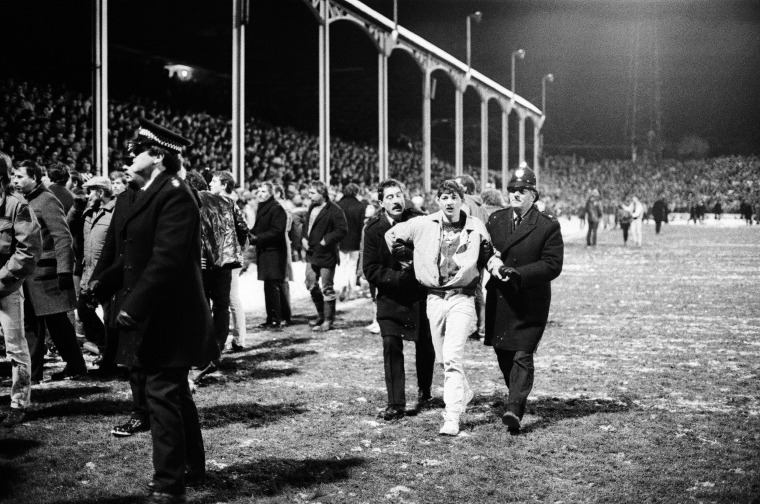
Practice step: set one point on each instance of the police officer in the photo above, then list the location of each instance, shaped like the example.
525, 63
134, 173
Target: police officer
164, 320
530, 245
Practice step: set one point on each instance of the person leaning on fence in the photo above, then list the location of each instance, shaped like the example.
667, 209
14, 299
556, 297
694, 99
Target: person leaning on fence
324, 228
400, 304
529, 243
20, 249
449, 249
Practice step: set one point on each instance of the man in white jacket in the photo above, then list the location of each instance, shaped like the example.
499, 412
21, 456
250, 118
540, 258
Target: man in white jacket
448, 249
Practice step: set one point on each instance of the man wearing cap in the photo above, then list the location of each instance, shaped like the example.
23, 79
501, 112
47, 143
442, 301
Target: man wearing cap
97, 218
164, 320
530, 245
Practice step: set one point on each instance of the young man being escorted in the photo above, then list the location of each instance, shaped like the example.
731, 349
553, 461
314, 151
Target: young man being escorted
450, 249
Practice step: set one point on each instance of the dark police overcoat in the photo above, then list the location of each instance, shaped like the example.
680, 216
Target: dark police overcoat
400, 300
158, 274
516, 316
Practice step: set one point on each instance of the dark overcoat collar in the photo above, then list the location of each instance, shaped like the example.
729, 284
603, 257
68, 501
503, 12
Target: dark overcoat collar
527, 226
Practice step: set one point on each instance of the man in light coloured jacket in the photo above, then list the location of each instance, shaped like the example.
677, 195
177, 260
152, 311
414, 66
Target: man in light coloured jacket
97, 218
448, 250
20, 249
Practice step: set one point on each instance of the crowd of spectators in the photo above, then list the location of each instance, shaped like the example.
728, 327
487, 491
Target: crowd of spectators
47, 124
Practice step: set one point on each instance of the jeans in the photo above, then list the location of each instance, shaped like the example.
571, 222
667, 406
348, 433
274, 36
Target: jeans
313, 275
16, 347
452, 319
591, 234
636, 231
348, 262
216, 284
236, 309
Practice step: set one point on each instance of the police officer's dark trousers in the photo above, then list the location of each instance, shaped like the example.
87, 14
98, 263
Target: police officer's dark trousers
174, 427
517, 368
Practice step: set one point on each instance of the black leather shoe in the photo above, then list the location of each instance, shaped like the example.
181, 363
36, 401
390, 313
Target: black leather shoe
511, 420
192, 480
392, 413
129, 428
164, 498
69, 374
424, 401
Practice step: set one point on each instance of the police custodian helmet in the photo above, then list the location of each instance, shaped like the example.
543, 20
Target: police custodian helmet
523, 177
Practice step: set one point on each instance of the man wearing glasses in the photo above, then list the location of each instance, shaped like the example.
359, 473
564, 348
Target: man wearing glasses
530, 246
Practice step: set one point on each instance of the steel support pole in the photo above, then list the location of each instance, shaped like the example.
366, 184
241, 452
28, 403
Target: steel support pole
536, 141
382, 115
427, 157
504, 150
483, 144
459, 132
239, 15
100, 85
324, 92
522, 140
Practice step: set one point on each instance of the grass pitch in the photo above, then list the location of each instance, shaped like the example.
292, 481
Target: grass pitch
646, 391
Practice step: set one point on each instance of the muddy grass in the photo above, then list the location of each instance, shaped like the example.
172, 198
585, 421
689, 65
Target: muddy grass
646, 391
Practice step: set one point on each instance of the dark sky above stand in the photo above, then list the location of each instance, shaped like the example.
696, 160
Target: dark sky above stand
709, 59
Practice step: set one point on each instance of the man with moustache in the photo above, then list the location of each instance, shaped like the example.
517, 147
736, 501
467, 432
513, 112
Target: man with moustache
530, 245
400, 303
164, 320
450, 249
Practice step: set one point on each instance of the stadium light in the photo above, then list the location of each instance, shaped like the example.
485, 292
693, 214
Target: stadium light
520, 53
477, 16
184, 72
546, 78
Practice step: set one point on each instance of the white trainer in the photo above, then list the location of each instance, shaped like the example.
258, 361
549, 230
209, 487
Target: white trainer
450, 426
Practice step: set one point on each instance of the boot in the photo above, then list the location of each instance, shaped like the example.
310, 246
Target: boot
319, 303
329, 317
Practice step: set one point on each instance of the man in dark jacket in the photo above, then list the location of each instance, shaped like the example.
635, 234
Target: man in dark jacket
49, 291
401, 311
164, 319
349, 246
269, 236
113, 249
324, 228
593, 215
217, 263
660, 213
517, 305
